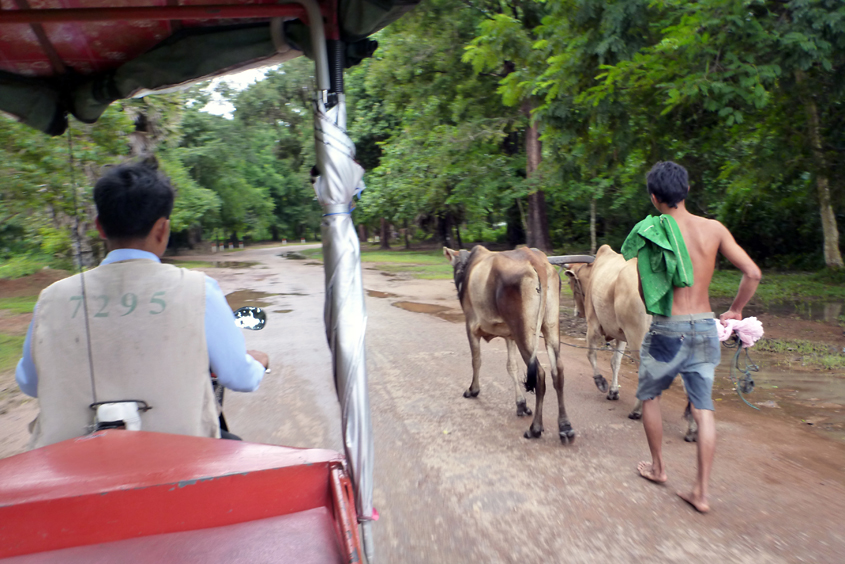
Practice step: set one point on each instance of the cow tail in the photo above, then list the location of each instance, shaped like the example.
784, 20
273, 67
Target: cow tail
533, 363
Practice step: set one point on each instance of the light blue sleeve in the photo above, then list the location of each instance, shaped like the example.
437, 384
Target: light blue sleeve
25, 373
235, 369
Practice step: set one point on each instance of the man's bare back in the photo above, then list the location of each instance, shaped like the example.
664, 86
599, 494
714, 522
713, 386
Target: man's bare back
704, 239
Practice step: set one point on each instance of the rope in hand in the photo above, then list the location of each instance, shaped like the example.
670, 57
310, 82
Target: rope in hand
607, 348
744, 384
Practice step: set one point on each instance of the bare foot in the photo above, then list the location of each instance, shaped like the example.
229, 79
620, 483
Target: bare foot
646, 470
698, 504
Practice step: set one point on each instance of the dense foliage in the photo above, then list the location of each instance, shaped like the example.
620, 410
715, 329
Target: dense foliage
748, 95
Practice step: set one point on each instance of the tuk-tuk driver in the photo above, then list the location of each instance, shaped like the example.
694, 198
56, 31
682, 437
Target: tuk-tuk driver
133, 328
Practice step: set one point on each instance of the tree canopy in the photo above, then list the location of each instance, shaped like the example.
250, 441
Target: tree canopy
505, 121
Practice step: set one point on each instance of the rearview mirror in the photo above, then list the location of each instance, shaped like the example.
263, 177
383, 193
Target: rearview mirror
252, 318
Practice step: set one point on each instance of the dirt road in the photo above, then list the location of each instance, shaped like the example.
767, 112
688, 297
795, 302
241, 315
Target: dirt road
455, 480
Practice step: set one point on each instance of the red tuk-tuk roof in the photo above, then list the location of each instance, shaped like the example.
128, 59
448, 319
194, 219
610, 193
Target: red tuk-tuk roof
78, 56
59, 38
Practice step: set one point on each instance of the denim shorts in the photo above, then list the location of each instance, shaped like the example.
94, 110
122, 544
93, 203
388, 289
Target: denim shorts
682, 344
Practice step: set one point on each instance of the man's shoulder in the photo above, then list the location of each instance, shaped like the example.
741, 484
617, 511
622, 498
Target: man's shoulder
711, 226
72, 281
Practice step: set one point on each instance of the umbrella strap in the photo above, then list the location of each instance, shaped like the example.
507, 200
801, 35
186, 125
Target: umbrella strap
336, 209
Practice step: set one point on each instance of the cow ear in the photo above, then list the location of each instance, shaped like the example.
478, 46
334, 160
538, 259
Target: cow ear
450, 254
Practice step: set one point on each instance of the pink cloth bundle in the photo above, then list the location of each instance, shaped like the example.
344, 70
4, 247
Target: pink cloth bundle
749, 330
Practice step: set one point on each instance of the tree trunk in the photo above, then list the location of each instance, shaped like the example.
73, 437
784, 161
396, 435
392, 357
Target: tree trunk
444, 228
832, 256
407, 237
538, 225
385, 235
593, 226
362, 233
516, 225
458, 235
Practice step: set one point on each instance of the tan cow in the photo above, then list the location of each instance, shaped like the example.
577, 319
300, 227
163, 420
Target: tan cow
607, 295
514, 295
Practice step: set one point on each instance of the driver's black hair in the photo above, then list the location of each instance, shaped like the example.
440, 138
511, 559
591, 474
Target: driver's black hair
669, 182
130, 198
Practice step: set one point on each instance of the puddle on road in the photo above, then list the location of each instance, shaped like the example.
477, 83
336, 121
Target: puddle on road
213, 263
442, 312
293, 255
816, 397
243, 298
378, 294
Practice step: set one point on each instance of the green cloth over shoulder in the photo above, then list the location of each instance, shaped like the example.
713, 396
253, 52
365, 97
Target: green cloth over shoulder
663, 261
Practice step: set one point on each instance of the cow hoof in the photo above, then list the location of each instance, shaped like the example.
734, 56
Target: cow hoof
635, 415
567, 434
691, 437
471, 394
601, 383
613, 395
531, 433
522, 409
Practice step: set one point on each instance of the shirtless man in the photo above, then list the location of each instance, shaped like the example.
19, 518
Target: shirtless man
687, 342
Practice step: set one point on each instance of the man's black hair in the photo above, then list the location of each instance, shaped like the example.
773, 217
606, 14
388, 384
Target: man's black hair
130, 198
669, 182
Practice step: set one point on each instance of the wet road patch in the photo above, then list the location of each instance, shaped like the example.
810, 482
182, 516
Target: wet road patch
243, 298
443, 312
378, 294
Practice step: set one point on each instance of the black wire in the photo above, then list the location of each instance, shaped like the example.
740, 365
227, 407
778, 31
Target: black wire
78, 242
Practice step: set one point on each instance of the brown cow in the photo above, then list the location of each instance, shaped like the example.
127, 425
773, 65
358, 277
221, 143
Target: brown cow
607, 295
514, 295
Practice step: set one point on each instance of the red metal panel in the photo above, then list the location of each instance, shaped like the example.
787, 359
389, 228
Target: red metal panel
302, 538
85, 47
118, 484
346, 519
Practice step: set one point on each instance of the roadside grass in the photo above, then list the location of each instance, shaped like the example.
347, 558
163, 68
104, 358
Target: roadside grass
24, 265
816, 354
11, 347
191, 263
316, 254
777, 286
25, 304
267, 245
426, 265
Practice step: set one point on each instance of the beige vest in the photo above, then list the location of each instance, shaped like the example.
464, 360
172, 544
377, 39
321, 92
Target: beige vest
147, 341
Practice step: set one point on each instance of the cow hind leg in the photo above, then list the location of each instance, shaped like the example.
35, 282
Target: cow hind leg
536, 428
692, 429
595, 341
535, 381
615, 362
565, 431
637, 412
522, 408
475, 348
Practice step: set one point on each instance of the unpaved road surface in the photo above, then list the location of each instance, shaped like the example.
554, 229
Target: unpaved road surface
455, 481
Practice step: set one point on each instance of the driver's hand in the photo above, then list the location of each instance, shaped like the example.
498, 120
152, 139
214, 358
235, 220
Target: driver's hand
260, 357
730, 314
